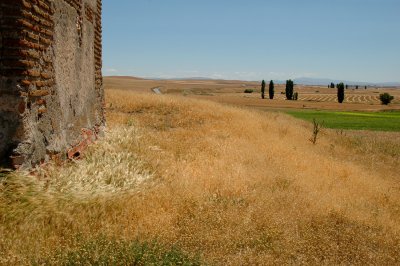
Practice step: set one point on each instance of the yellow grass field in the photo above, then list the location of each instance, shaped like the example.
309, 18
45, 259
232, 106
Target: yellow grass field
232, 92
226, 184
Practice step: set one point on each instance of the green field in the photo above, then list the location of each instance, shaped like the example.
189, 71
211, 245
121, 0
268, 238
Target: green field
379, 121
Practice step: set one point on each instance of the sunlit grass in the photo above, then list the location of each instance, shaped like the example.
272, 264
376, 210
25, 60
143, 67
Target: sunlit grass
185, 180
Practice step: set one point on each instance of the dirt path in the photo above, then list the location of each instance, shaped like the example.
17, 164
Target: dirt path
157, 90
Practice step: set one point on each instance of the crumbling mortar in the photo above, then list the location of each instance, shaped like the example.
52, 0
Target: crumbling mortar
28, 74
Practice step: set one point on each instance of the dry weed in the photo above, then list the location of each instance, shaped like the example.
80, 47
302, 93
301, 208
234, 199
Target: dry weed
236, 186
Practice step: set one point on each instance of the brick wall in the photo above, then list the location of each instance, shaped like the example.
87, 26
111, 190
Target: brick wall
42, 114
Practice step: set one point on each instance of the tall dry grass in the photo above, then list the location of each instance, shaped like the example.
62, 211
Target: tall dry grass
235, 186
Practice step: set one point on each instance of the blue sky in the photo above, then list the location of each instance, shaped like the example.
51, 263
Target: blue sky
355, 40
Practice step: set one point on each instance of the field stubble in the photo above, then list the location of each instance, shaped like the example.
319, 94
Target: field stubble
232, 185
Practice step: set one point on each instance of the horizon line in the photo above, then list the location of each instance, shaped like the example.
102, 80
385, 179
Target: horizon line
326, 80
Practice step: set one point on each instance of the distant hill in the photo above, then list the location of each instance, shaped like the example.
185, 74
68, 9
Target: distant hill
180, 79
314, 81
303, 81
126, 77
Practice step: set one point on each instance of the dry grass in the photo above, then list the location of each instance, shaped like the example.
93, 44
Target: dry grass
232, 92
235, 186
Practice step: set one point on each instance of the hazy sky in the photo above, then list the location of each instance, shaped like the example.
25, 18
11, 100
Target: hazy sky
253, 39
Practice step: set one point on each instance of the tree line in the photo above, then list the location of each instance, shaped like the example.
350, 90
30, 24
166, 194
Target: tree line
332, 86
271, 90
292, 95
289, 91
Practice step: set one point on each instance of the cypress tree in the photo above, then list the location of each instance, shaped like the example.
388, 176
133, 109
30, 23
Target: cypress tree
263, 89
289, 89
340, 92
271, 90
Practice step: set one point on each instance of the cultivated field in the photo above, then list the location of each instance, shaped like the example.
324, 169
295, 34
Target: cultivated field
378, 121
177, 180
232, 92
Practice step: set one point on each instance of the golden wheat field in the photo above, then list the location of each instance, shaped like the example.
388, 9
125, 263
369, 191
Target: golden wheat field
232, 92
223, 185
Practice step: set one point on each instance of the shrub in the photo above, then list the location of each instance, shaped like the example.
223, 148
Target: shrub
385, 98
295, 96
340, 92
317, 127
263, 89
289, 89
248, 91
271, 90
332, 85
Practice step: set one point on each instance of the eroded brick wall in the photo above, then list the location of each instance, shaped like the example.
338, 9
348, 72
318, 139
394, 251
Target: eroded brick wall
51, 96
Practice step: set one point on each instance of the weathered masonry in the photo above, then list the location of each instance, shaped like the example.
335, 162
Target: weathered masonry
51, 94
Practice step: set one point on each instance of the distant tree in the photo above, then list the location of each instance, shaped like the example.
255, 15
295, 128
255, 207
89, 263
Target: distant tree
271, 90
263, 89
289, 89
386, 98
295, 96
357, 87
365, 87
332, 85
347, 86
340, 92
